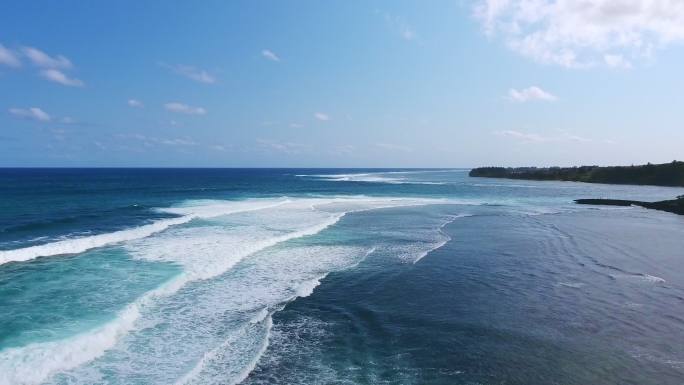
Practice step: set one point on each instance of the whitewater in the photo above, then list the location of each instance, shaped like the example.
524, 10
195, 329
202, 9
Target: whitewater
301, 276
208, 239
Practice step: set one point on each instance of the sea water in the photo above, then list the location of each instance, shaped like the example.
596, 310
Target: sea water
296, 276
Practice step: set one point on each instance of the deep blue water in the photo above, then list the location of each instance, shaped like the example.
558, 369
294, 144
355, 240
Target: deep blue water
303, 276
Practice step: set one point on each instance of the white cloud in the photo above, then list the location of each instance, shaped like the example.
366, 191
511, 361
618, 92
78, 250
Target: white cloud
52, 66
43, 60
60, 77
268, 54
285, 147
178, 142
135, 103
218, 147
322, 116
8, 57
296, 125
393, 147
150, 141
33, 113
68, 120
616, 61
580, 33
190, 72
184, 108
522, 136
537, 138
530, 94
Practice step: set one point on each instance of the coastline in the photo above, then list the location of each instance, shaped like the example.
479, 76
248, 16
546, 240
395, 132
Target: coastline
666, 174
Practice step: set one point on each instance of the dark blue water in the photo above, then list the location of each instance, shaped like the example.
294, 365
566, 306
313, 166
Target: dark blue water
214, 276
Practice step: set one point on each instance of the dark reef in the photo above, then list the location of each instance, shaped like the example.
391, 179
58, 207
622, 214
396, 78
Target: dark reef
673, 206
666, 174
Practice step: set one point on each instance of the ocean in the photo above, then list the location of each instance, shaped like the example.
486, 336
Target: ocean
334, 276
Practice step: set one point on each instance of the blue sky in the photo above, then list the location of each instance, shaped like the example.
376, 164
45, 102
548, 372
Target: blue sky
341, 83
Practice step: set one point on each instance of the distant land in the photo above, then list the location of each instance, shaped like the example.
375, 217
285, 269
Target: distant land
666, 174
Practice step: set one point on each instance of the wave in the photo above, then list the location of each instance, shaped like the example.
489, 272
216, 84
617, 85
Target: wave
372, 178
444, 238
33, 363
199, 209
193, 376
211, 370
305, 289
80, 245
233, 231
50, 357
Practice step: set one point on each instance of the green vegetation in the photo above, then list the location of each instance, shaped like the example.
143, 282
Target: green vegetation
666, 174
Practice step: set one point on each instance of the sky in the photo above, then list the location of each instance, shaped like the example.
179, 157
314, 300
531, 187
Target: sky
459, 83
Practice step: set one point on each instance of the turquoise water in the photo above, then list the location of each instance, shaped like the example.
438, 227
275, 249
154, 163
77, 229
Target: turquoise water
220, 276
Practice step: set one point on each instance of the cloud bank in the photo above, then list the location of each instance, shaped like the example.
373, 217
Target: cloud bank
584, 33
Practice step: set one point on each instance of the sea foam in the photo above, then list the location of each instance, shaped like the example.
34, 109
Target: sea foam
79, 245
229, 233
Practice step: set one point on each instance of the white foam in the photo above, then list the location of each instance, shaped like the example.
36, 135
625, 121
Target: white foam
652, 278
194, 376
196, 209
249, 368
442, 240
33, 363
380, 177
290, 273
79, 245
572, 285
647, 278
230, 233
215, 208
208, 252
305, 289
72, 352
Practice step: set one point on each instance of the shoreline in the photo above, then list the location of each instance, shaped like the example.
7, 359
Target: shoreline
666, 174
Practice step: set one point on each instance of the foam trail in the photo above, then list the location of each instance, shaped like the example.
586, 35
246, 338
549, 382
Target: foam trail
58, 356
305, 289
446, 238
193, 376
203, 255
262, 349
200, 267
80, 245
370, 178
63, 355
639, 277
45, 358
